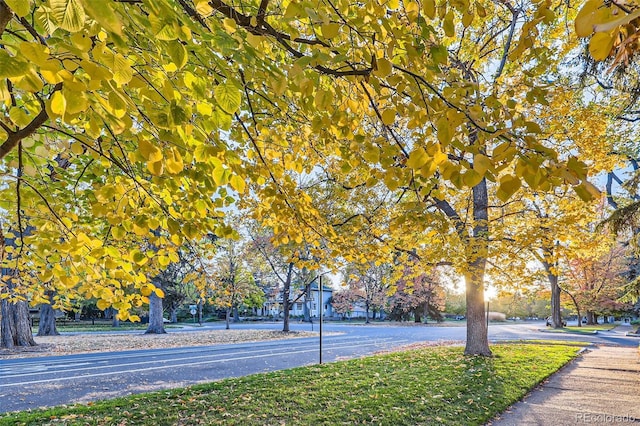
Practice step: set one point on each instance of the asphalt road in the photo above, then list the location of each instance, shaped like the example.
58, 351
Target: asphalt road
48, 381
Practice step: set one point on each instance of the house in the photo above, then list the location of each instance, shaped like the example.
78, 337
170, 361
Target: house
273, 305
297, 308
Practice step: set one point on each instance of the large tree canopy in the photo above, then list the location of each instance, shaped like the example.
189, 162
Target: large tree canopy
127, 128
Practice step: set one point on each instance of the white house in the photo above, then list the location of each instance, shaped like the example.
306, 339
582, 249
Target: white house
273, 307
312, 302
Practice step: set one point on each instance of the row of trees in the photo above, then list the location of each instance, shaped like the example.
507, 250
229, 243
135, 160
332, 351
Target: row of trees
439, 132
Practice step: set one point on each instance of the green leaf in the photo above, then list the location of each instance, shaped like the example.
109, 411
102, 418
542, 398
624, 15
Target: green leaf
103, 13
11, 67
220, 175
228, 97
237, 183
178, 53
19, 7
44, 16
19, 117
122, 71
69, 14
439, 54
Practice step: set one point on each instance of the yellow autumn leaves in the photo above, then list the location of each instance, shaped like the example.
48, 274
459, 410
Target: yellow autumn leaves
610, 27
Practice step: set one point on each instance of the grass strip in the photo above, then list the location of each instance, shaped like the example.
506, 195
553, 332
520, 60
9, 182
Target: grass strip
425, 386
585, 329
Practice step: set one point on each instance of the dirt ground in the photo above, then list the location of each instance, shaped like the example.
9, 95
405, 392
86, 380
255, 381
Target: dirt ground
88, 342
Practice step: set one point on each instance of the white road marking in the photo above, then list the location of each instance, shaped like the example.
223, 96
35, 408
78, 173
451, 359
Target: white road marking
59, 379
172, 361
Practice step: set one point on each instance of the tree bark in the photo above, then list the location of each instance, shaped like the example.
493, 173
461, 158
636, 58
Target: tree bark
366, 313
5, 16
15, 327
47, 323
156, 323
477, 334
556, 312
227, 317
575, 303
285, 298
236, 314
115, 321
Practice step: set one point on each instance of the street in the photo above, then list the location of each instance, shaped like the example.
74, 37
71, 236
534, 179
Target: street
47, 381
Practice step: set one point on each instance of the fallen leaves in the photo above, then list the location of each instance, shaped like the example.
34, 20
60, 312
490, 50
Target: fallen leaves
113, 342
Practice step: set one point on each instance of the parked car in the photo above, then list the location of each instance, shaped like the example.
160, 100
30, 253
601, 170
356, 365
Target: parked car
550, 321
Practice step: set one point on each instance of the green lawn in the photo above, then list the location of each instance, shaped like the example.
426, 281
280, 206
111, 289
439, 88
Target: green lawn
425, 386
586, 329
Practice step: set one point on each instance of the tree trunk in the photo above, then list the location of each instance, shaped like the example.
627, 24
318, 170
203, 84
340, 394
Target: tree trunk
477, 335
366, 313
173, 316
575, 303
236, 314
416, 317
47, 323
590, 318
227, 317
285, 298
156, 323
306, 310
306, 305
556, 312
115, 321
15, 328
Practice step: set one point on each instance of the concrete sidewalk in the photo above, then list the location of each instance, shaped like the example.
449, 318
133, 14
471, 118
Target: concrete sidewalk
600, 387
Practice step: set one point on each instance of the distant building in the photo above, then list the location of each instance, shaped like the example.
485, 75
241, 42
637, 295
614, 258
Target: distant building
273, 304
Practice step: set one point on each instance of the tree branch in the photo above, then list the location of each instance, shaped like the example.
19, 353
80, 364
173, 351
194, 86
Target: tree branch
14, 138
507, 46
5, 16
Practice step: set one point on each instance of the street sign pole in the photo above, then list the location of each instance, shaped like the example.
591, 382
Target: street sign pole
321, 305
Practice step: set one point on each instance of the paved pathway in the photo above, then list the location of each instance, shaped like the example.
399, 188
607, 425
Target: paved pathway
601, 387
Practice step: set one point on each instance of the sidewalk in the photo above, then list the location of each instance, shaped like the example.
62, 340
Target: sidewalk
601, 387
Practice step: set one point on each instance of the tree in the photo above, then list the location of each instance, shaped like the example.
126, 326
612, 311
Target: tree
431, 103
369, 284
47, 320
232, 280
418, 294
595, 282
343, 300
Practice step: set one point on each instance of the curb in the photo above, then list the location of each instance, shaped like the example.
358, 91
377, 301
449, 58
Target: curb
630, 334
542, 330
